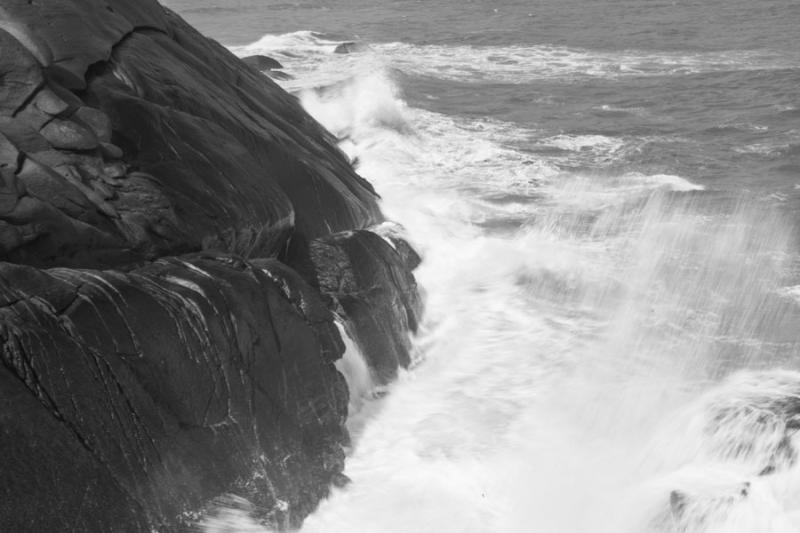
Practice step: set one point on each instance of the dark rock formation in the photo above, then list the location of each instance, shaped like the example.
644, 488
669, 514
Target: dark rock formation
171, 385
191, 152
350, 47
175, 236
262, 62
351, 268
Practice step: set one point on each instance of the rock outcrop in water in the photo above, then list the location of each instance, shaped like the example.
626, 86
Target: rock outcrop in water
267, 65
351, 269
350, 47
176, 236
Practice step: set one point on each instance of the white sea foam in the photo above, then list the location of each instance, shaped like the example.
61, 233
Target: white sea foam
777, 145
307, 50
595, 143
522, 64
231, 514
556, 350
576, 325
792, 292
360, 382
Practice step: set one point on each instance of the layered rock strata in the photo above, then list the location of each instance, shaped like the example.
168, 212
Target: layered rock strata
177, 237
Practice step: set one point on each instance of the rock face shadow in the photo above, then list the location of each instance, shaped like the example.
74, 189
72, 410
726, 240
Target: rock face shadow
177, 237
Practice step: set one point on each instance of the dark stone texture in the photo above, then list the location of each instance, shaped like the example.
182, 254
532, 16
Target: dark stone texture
20, 74
373, 287
175, 232
72, 490
70, 35
50, 103
172, 383
97, 121
262, 62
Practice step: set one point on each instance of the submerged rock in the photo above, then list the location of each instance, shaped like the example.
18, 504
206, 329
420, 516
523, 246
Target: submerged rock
350, 48
176, 381
262, 62
226, 152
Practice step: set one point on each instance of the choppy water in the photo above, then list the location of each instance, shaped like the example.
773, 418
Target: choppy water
607, 198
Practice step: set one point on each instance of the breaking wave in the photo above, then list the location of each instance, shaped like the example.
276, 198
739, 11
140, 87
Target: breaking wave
607, 351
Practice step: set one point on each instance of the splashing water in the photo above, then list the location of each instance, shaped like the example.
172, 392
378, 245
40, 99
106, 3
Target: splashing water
513, 64
604, 351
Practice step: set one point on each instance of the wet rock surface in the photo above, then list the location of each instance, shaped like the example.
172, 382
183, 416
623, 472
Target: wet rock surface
174, 381
371, 285
195, 139
176, 238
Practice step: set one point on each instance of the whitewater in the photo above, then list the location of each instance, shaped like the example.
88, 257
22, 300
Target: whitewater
605, 349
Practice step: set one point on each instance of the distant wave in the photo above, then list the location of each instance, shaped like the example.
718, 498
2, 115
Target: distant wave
389, 137
522, 64
291, 44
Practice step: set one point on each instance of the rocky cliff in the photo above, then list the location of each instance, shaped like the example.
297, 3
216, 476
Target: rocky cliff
177, 237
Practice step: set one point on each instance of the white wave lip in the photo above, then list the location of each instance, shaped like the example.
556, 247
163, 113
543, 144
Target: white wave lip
584, 142
522, 64
288, 44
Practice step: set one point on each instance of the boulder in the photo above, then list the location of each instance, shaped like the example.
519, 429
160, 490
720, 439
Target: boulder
176, 238
262, 62
232, 162
165, 387
370, 283
350, 48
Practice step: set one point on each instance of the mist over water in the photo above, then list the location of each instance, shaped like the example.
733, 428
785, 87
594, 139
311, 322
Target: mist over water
611, 277
576, 324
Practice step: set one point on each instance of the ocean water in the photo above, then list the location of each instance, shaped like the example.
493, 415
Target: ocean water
607, 198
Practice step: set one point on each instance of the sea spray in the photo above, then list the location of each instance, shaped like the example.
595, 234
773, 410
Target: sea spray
360, 381
589, 308
566, 325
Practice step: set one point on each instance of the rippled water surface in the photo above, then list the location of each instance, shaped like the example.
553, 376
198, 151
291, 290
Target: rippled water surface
606, 197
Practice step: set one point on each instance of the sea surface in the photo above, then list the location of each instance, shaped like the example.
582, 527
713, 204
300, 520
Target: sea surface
606, 194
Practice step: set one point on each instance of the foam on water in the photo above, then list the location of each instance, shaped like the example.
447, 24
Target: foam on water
522, 64
294, 45
306, 52
791, 292
554, 350
607, 352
